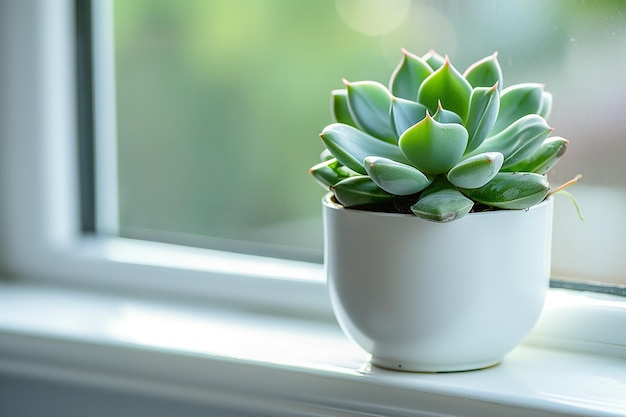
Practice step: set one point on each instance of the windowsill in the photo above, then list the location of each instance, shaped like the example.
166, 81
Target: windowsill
290, 366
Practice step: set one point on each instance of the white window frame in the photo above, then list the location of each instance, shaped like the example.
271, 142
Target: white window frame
42, 244
40, 233
40, 180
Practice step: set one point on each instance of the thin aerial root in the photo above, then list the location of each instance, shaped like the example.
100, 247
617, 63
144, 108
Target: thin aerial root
565, 185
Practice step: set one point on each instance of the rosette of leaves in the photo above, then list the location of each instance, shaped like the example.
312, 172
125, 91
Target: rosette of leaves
439, 143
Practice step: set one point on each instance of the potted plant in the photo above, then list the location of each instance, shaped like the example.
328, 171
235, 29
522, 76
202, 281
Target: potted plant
438, 219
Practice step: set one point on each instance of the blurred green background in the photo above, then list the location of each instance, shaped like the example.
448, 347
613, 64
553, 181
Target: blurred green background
220, 102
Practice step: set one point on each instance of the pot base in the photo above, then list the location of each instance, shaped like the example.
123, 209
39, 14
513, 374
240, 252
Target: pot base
432, 368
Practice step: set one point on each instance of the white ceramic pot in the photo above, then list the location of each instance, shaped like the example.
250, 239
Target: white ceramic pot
437, 297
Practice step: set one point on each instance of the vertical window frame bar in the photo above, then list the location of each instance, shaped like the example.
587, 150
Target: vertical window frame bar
85, 115
96, 112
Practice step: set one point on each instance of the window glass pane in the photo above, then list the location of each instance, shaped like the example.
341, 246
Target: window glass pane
219, 106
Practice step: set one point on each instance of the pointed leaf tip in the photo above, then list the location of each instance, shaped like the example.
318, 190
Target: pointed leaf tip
447, 85
433, 59
408, 75
485, 72
433, 147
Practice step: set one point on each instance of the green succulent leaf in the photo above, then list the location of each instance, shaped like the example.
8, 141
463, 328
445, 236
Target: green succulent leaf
351, 146
446, 116
408, 76
394, 177
526, 147
359, 191
483, 112
329, 172
406, 113
433, 59
485, 73
433, 147
546, 105
370, 105
448, 86
511, 190
517, 141
476, 171
442, 205
517, 101
339, 107
439, 141
544, 158
325, 155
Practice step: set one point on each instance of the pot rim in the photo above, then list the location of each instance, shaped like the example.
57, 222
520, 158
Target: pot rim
330, 204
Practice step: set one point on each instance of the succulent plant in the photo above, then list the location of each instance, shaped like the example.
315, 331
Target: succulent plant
439, 143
